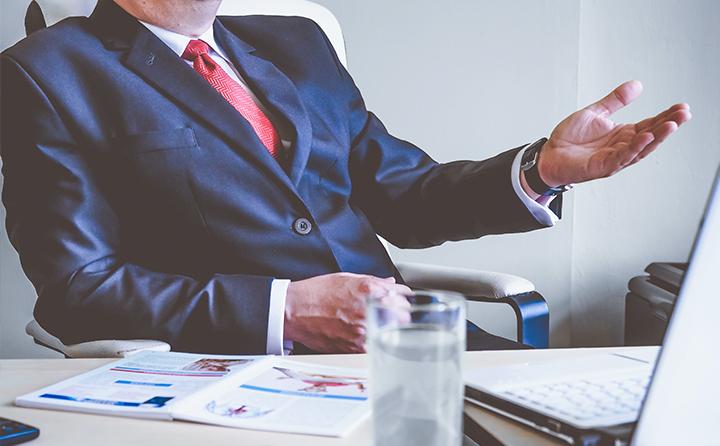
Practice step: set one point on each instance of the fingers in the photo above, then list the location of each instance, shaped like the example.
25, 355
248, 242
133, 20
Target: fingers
387, 292
378, 288
395, 310
641, 146
624, 156
327, 313
355, 343
618, 98
662, 132
392, 296
638, 143
355, 348
398, 300
647, 141
383, 290
396, 304
649, 123
680, 116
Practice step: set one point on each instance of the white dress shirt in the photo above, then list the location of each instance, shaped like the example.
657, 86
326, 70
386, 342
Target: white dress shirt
276, 344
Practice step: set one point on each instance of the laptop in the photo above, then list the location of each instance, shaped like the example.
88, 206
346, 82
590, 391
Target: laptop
667, 396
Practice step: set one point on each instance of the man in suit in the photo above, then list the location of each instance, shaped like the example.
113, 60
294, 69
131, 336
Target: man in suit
219, 184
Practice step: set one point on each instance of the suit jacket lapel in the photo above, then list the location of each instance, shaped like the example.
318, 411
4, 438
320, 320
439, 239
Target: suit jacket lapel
276, 91
160, 66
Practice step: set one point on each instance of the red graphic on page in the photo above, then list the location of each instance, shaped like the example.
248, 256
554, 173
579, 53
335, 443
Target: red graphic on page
318, 383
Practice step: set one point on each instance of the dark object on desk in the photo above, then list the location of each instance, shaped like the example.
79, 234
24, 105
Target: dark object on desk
14, 432
650, 301
607, 436
476, 435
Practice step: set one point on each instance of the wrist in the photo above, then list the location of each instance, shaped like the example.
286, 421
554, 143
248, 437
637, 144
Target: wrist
545, 168
541, 184
289, 313
528, 190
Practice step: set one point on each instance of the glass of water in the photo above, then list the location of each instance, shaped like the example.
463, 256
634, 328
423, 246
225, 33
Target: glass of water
416, 386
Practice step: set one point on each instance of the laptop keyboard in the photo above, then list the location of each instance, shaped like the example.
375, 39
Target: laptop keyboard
599, 401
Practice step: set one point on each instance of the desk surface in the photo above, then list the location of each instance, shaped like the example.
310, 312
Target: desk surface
18, 377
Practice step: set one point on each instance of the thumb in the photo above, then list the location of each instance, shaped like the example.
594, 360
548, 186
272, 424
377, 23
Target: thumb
618, 98
390, 279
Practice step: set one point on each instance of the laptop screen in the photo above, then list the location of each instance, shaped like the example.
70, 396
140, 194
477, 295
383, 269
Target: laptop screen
683, 402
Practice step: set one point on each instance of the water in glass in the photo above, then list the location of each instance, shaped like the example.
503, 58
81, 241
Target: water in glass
416, 385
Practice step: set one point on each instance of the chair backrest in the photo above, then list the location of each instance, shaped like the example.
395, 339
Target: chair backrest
55, 10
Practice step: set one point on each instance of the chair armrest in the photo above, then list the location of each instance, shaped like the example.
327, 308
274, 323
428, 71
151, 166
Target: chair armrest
469, 282
530, 307
93, 349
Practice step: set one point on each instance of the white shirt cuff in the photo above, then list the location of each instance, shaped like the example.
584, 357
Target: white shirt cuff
276, 318
541, 212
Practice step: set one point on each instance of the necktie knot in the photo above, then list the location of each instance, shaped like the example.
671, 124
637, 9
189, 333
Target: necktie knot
194, 49
197, 52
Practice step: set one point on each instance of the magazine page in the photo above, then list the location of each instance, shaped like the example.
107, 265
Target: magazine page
144, 385
284, 396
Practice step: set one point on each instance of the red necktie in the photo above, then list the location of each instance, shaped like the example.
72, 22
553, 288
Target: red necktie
234, 93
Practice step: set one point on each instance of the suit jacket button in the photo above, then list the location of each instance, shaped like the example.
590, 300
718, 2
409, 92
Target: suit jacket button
302, 226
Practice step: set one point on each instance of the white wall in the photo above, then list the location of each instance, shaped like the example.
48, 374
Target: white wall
468, 78
651, 211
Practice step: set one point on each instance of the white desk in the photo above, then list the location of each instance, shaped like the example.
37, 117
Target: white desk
57, 428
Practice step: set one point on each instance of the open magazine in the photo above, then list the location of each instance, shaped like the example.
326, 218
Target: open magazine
254, 392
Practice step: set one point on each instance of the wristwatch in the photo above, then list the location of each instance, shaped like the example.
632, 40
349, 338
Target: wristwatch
529, 165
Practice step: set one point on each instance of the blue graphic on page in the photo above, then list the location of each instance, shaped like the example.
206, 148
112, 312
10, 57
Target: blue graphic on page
154, 402
141, 383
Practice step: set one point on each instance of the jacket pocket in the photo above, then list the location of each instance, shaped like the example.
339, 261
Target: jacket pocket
156, 141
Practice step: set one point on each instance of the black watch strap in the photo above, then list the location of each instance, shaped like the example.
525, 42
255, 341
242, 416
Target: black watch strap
532, 173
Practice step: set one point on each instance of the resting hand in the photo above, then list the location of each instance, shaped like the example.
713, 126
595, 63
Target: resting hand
327, 313
587, 145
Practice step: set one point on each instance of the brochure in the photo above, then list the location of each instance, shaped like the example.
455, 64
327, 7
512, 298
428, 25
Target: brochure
253, 392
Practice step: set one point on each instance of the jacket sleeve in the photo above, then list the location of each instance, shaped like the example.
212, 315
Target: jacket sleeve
415, 202
68, 239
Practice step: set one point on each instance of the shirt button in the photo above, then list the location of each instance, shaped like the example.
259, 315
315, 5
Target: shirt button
302, 226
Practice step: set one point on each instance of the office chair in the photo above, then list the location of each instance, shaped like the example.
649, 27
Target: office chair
530, 307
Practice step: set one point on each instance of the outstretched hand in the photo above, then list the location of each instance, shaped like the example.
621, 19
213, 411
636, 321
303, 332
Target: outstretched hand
587, 145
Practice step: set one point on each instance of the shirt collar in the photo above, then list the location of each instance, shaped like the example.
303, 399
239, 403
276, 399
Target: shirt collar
178, 42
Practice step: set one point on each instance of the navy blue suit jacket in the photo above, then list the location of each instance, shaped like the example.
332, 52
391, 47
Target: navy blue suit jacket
144, 206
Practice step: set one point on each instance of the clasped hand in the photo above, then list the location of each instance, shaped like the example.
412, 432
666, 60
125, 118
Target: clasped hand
327, 313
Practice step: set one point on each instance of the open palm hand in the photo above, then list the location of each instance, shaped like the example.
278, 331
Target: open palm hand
588, 145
